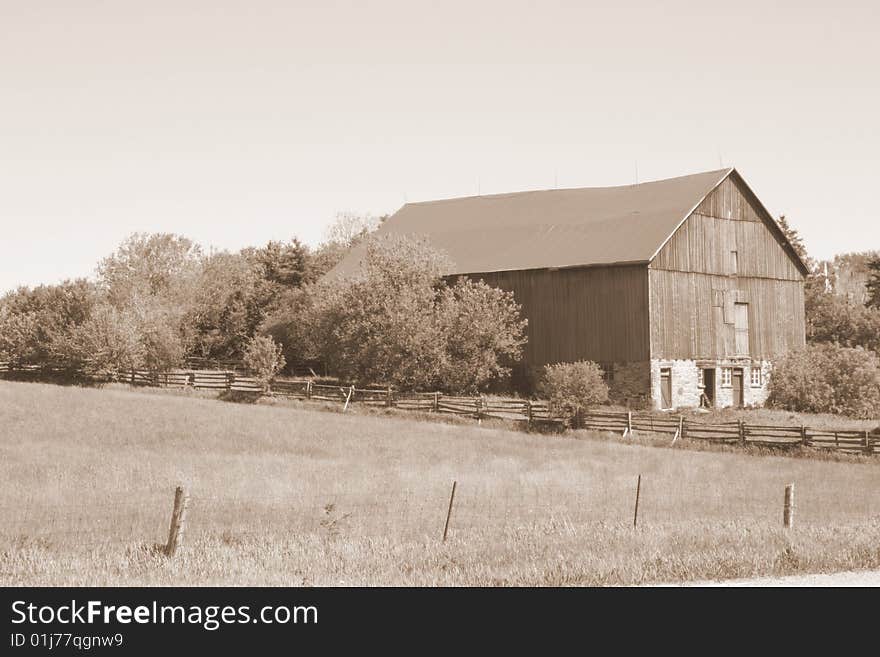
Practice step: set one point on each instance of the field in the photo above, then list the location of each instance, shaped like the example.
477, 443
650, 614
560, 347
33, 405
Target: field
285, 495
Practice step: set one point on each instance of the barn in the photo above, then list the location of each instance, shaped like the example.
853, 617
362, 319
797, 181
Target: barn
684, 290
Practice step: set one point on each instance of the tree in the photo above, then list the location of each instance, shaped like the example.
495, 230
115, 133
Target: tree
572, 388
263, 358
796, 241
482, 332
161, 265
285, 264
827, 378
348, 228
229, 301
18, 336
396, 321
833, 319
346, 231
109, 342
873, 284
39, 320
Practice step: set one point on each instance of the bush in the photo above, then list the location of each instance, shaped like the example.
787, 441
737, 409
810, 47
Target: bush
263, 358
827, 378
572, 388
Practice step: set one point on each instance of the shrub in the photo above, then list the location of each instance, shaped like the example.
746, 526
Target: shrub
827, 378
264, 359
573, 387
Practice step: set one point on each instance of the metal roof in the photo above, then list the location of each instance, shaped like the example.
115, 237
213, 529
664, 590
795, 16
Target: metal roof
552, 228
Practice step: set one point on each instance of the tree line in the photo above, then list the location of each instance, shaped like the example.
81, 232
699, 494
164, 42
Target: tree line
160, 299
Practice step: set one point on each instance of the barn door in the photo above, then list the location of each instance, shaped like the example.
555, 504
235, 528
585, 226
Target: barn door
665, 387
741, 327
737, 387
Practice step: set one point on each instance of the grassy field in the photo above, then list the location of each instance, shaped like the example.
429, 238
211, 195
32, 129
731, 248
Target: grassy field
284, 495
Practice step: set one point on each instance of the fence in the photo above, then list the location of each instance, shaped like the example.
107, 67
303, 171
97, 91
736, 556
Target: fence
529, 412
163, 523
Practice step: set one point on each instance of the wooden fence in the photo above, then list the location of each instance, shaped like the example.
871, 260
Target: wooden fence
519, 410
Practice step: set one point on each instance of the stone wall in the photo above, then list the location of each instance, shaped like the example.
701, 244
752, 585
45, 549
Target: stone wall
630, 384
686, 389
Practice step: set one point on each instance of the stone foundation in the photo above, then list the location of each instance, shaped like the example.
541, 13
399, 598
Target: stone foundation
687, 388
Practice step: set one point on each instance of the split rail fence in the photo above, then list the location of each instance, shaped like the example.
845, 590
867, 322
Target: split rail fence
530, 412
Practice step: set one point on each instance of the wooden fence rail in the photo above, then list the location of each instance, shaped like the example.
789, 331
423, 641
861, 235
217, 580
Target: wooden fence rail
520, 410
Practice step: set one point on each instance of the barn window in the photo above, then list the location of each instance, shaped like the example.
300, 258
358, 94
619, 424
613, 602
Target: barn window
726, 373
756, 377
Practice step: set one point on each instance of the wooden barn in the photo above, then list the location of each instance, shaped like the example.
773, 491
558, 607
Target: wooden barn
683, 289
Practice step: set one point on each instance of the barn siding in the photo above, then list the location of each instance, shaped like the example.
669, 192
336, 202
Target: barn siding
593, 313
689, 322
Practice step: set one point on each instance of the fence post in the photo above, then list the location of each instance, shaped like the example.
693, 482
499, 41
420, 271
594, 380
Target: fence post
629, 424
478, 402
309, 389
678, 431
178, 521
389, 399
449, 511
638, 491
867, 443
528, 412
804, 440
436, 402
788, 507
683, 428
348, 398
132, 376
742, 432
230, 379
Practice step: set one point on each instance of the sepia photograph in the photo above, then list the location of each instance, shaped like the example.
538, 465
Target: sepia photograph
336, 297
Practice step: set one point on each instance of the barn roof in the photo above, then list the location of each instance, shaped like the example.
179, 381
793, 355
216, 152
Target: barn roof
552, 228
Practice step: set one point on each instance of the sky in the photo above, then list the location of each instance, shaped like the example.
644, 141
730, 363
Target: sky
239, 122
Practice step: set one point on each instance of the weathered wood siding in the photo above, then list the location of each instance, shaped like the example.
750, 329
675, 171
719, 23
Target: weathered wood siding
728, 220
693, 315
725, 253
593, 313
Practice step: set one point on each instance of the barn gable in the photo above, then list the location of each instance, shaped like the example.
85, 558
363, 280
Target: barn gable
730, 232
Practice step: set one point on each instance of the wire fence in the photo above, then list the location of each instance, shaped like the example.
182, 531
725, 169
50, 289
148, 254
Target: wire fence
161, 522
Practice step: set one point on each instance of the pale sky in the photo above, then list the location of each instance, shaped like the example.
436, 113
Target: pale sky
237, 122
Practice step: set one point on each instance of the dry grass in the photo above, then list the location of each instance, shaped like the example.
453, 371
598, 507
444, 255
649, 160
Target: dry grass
288, 496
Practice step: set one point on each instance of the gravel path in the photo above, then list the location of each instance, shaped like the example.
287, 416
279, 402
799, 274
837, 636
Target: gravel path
850, 578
